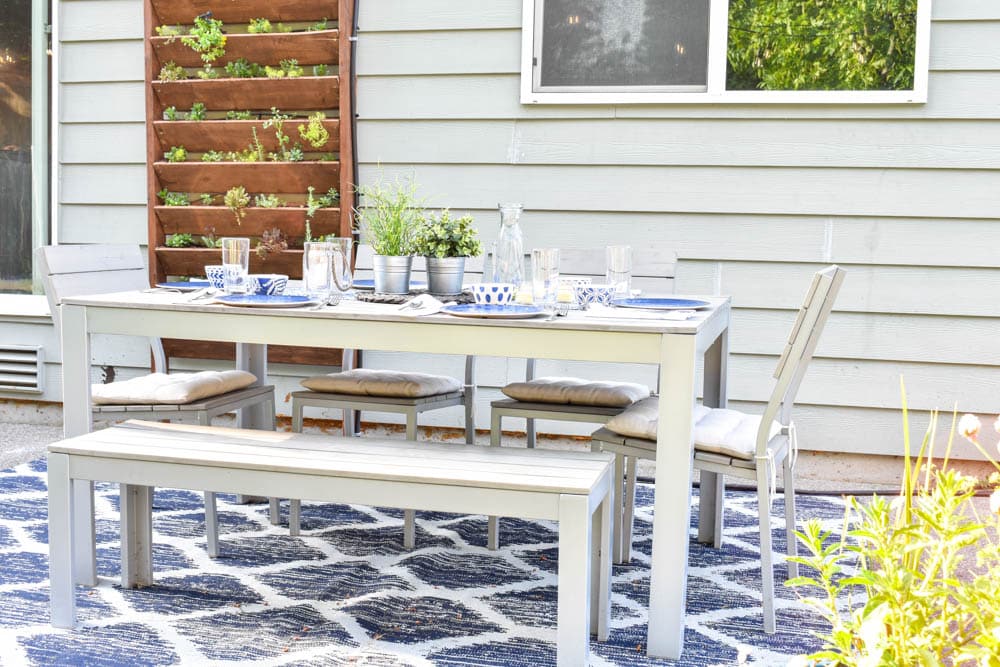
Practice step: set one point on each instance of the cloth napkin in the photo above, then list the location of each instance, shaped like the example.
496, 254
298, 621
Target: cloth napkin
420, 305
598, 311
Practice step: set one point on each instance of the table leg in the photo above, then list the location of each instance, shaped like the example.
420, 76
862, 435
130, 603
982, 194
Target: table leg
252, 358
62, 600
672, 505
136, 535
77, 420
573, 615
713, 485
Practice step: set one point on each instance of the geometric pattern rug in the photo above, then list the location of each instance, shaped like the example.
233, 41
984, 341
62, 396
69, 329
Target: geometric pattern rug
346, 592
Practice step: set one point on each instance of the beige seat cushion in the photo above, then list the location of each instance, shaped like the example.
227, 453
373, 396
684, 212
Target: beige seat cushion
170, 389
574, 391
727, 432
388, 384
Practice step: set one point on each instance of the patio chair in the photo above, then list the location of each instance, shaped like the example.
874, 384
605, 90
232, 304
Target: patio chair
355, 389
728, 442
74, 270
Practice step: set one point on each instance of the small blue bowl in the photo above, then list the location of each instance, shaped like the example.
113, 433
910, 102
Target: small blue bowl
588, 294
493, 293
266, 283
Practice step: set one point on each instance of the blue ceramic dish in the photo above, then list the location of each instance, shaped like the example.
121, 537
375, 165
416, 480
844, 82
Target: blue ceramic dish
266, 300
502, 312
188, 286
661, 303
266, 283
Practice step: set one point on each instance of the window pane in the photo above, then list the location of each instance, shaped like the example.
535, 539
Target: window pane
624, 42
15, 145
821, 44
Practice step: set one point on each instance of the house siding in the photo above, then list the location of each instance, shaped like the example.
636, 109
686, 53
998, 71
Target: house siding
751, 198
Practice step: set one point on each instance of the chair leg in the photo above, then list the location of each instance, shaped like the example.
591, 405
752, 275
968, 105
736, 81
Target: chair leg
495, 422
296, 416
710, 508
766, 569
628, 521
792, 548
294, 516
531, 433
619, 510
211, 526
274, 511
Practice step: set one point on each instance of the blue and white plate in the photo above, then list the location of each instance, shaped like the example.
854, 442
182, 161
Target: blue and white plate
494, 311
266, 300
189, 286
661, 303
369, 284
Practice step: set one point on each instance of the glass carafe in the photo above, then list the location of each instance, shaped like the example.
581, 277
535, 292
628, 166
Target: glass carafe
508, 251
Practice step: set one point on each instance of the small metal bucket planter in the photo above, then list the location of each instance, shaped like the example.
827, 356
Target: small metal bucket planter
445, 274
392, 274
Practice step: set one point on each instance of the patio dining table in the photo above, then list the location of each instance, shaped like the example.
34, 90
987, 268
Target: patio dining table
672, 343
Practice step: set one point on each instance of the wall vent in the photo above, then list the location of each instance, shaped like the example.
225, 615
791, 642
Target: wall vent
22, 369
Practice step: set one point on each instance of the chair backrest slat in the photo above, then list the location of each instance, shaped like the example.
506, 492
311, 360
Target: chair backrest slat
799, 350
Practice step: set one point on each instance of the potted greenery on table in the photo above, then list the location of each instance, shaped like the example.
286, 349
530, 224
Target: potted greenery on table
446, 242
388, 221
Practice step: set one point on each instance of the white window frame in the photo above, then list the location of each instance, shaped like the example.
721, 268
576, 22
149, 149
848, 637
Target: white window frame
715, 90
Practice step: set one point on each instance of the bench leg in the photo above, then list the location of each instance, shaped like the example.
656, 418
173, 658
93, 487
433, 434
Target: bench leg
211, 526
84, 534
409, 528
62, 600
136, 535
294, 516
274, 511
573, 619
600, 567
628, 520
616, 525
710, 504
492, 522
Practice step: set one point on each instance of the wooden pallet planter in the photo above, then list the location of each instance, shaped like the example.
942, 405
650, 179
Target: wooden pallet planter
192, 261
256, 177
205, 220
233, 135
300, 93
310, 48
241, 11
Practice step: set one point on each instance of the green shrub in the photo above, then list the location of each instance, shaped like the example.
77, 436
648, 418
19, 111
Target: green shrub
443, 236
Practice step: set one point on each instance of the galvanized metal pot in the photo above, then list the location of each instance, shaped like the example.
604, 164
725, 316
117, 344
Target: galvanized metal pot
445, 274
392, 274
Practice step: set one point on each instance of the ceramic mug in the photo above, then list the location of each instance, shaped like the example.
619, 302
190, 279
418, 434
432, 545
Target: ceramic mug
493, 293
216, 275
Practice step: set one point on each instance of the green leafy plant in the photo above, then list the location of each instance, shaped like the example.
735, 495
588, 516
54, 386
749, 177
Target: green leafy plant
268, 201
208, 72
206, 38
320, 70
173, 198
928, 564
315, 134
441, 235
242, 69
271, 241
239, 115
179, 241
170, 113
390, 216
176, 154
206, 199
197, 112
274, 72
210, 240
171, 71
285, 152
313, 203
281, 27
292, 68
259, 26
169, 31
236, 200
212, 156
319, 25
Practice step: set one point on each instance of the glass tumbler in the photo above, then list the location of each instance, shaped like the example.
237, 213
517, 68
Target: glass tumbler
340, 264
545, 278
317, 270
235, 265
619, 268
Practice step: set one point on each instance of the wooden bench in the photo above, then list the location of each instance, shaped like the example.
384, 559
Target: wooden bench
569, 487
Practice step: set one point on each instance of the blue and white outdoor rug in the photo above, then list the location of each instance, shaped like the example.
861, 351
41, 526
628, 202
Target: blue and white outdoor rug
347, 593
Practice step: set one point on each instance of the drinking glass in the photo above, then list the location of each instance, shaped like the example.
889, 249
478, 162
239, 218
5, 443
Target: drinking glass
619, 268
317, 270
340, 265
235, 264
545, 277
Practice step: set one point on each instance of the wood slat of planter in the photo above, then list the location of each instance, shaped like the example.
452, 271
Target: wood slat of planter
219, 220
307, 92
241, 11
256, 177
309, 48
276, 354
192, 261
232, 135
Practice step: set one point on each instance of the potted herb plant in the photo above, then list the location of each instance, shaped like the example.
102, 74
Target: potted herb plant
446, 242
388, 221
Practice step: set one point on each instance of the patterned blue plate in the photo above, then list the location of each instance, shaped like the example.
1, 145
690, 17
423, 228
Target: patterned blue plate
504, 312
661, 303
369, 284
266, 300
188, 286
